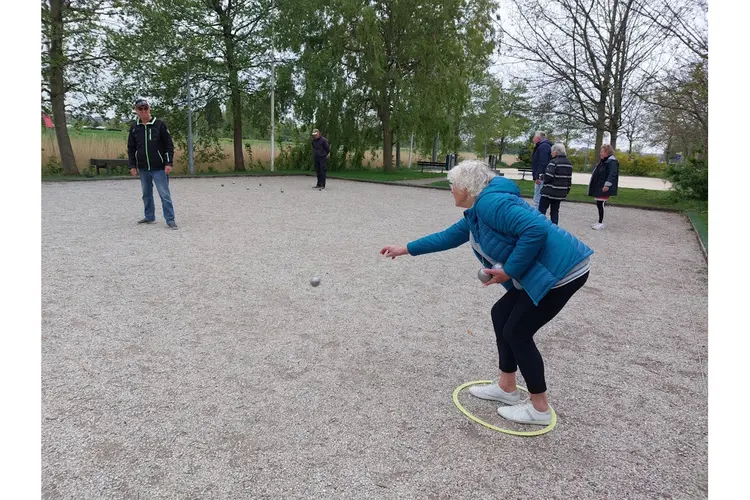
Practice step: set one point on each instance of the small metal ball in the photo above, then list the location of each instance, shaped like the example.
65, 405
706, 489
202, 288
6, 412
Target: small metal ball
315, 280
483, 277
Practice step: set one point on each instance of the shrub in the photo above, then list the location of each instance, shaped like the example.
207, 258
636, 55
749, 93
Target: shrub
52, 166
579, 159
295, 157
689, 180
524, 155
639, 165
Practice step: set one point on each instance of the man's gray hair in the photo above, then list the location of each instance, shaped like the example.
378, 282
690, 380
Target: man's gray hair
609, 149
472, 175
559, 148
540, 134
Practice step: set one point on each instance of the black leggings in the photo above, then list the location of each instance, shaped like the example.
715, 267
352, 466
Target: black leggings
554, 208
516, 319
600, 207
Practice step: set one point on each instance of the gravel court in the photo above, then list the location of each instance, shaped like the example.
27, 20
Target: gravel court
200, 363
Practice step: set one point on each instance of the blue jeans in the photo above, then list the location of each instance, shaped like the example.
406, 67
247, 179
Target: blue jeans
160, 178
537, 193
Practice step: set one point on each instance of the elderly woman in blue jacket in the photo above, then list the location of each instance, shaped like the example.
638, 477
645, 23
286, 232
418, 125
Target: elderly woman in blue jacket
542, 267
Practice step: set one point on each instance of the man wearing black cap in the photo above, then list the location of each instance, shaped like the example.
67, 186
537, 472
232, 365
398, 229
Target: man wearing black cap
320, 158
151, 153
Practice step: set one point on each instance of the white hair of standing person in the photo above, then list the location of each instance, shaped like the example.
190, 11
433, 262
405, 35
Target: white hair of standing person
472, 175
559, 148
540, 134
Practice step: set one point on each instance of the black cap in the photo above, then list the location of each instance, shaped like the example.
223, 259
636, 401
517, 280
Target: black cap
141, 102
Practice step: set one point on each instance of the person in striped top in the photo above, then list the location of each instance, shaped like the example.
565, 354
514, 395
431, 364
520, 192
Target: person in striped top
558, 177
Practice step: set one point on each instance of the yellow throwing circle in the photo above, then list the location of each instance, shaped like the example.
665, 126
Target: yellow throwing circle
493, 427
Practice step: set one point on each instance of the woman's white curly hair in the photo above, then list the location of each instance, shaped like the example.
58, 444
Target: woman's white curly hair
473, 175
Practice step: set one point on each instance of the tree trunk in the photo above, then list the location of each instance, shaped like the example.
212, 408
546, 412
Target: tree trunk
599, 140
502, 148
57, 89
668, 150
398, 154
435, 147
234, 86
239, 158
387, 141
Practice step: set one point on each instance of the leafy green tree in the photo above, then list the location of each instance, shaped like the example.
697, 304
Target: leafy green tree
72, 60
223, 44
499, 115
386, 68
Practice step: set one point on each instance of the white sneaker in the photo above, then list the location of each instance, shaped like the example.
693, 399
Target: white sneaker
493, 392
598, 226
525, 414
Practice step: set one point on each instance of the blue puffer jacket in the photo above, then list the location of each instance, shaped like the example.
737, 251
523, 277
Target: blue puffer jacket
532, 250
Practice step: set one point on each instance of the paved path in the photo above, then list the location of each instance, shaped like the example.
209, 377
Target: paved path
578, 178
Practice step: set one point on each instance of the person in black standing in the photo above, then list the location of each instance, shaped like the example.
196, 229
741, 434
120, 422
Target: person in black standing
151, 156
321, 148
604, 180
558, 178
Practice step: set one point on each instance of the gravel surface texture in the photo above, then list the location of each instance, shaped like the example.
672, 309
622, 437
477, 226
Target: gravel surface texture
200, 363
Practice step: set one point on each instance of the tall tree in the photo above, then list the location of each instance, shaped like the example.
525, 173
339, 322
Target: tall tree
499, 114
679, 108
678, 96
588, 51
71, 61
402, 65
227, 43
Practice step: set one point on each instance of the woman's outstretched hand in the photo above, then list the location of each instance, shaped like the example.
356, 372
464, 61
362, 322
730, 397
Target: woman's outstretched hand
498, 276
394, 251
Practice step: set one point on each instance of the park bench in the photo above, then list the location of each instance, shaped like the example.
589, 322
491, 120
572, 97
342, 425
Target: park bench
523, 171
434, 164
108, 165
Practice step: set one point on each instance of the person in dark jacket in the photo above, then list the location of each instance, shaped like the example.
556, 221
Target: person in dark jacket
539, 160
557, 181
603, 183
541, 267
321, 148
151, 154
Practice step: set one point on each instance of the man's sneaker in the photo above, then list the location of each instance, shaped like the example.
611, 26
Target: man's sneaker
321, 188
172, 225
598, 226
493, 392
146, 221
316, 186
525, 414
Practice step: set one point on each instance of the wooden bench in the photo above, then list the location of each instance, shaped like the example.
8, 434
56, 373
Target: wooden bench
432, 164
108, 165
524, 170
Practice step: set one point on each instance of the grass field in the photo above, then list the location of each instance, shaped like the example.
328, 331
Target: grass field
109, 144
700, 221
645, 198
641, 198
